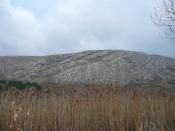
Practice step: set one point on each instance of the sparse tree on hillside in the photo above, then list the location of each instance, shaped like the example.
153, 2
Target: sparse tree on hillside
165, 17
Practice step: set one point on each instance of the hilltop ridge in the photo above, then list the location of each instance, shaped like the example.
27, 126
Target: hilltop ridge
92, 67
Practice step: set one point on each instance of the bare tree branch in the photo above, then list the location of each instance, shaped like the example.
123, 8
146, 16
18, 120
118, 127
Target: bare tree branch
165, 17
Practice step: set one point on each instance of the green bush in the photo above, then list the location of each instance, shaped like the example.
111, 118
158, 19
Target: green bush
18, 84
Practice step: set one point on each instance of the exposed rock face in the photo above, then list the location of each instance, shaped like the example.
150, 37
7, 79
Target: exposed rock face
92, 67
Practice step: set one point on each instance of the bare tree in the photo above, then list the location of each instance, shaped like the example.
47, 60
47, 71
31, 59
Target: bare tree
165, 16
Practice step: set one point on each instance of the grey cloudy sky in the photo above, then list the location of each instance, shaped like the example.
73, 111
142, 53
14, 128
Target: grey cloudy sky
42, 27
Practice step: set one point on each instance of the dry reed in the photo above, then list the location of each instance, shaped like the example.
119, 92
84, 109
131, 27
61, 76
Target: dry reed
87, 109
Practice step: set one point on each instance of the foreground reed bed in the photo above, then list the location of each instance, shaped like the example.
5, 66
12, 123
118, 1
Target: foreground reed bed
87, 109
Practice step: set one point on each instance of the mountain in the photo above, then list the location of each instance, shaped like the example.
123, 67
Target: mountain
92, 67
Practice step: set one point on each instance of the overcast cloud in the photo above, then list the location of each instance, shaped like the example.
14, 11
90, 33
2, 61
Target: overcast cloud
55, 26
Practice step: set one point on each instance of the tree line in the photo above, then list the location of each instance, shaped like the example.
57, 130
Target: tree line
4, 84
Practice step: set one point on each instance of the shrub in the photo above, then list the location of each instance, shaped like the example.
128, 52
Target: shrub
18, 84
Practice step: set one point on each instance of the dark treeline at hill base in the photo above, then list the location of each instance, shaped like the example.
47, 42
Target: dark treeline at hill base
5, 84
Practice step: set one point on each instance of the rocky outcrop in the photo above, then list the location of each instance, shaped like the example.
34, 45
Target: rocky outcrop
92, 67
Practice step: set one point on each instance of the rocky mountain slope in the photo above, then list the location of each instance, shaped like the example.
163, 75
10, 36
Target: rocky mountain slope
92, 67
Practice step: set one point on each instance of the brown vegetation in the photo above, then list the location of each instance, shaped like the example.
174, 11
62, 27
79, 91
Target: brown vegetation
87, 109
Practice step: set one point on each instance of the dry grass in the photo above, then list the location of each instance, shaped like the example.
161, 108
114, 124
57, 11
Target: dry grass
87, 109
